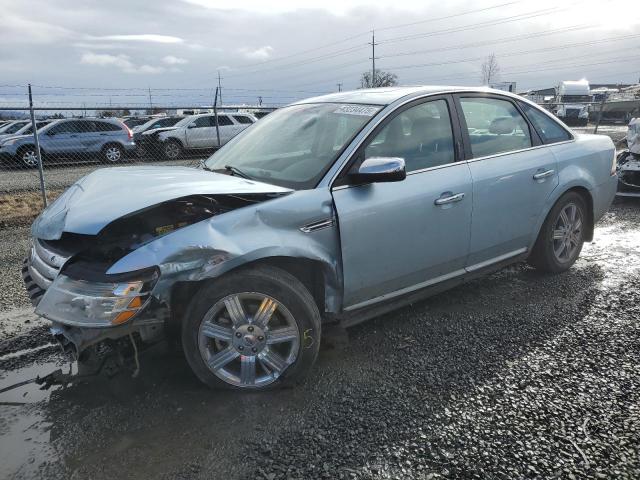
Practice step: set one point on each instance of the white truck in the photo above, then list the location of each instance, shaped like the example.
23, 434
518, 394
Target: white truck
199, 132
572, 102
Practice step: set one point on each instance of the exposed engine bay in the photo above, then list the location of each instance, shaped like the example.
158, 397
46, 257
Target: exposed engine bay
93, 254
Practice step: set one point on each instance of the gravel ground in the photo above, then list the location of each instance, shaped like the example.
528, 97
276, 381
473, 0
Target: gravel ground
517, 375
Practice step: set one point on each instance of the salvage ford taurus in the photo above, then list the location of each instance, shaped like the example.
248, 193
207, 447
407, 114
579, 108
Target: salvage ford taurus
334, 209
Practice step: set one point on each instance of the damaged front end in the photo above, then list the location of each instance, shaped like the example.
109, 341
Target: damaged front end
67, 271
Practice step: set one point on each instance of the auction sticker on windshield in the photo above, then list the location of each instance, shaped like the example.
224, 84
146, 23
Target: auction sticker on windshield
357, 110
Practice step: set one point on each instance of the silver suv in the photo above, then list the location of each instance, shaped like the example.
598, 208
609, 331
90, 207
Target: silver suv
104, 139
199, 132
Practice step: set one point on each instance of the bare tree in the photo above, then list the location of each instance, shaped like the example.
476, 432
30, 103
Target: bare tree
490, 70
382, 79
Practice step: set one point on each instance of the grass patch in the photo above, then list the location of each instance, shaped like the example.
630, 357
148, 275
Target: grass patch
20, 208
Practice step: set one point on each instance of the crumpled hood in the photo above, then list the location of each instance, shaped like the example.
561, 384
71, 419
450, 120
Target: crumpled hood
110, 193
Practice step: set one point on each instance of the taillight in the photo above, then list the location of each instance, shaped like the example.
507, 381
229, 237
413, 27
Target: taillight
129, 131
614, 164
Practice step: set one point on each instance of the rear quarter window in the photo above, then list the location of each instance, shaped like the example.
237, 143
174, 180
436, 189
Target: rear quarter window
549, 130
107, 127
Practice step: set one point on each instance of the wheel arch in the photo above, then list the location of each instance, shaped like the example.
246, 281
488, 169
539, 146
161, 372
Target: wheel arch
313, 274
588, 199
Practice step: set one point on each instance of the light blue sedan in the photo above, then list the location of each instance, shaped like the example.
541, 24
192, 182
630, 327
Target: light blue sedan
334, 209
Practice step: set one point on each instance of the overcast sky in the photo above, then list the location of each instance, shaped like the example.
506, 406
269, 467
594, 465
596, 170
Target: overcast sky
283, 50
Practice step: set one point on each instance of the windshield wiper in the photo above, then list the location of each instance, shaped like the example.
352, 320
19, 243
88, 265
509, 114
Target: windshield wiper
237, 171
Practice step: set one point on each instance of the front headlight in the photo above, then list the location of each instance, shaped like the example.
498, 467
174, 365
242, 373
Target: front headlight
95, 304
8, 142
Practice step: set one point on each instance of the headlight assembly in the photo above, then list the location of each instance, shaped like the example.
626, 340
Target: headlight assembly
95, 304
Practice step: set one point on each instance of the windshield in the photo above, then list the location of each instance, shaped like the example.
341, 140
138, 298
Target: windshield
294, 147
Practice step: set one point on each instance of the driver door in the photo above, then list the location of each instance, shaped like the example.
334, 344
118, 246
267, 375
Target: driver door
402, 236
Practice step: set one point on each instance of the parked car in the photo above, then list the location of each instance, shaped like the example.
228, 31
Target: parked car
144, 135
132, 122
199, 132
629, 163
104, 139
331, 210
26, 129
13, 126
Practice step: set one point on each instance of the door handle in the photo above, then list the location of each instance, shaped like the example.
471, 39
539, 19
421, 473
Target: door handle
543, 175
73, 136
450, 198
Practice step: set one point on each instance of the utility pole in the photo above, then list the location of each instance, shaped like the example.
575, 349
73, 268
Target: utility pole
219, 87
339, 87
373, 58
150, 103
36, 141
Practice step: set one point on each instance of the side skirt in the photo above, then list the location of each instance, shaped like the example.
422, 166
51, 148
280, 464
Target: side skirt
354, 317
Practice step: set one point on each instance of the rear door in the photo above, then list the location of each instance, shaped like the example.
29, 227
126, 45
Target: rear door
402, 236
106, 132
228, 129
513, 175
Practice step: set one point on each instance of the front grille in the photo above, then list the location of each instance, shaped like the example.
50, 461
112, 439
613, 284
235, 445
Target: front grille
40, 268
572, 113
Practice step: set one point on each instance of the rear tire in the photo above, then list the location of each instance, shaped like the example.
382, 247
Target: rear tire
561, 237
255, 329
112, 153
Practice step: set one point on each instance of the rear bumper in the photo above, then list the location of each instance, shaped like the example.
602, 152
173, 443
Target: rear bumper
603, 196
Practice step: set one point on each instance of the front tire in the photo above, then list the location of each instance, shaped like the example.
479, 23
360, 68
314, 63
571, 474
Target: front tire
561, 237
254, 329
28, 156
172, 149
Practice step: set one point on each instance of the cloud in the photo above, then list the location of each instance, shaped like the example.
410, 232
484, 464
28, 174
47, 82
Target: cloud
147, 37
18, 29
123, 62
262, 53
171, 60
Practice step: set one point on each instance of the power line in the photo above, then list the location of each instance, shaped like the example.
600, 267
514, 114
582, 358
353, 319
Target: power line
358, 35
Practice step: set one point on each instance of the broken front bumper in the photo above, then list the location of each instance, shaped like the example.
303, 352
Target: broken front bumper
86, 312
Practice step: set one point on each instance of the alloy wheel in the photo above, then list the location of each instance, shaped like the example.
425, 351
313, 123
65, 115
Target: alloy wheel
248, 339
29, 158
113, 154
172, 150
567, 233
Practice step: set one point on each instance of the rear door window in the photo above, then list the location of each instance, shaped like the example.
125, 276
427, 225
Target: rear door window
494, 126
223, 121
242, 119
202, 122
107, 127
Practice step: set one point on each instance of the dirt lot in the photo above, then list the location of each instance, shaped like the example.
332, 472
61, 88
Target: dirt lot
518, 375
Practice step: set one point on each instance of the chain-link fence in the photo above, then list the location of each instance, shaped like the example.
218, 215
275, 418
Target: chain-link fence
73, 141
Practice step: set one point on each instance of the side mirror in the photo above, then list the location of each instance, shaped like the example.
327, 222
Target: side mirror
191, 125
380, 169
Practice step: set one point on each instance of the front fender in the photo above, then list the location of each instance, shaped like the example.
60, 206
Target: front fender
212, 247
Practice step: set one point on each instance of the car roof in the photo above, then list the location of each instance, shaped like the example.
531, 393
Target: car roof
388, 95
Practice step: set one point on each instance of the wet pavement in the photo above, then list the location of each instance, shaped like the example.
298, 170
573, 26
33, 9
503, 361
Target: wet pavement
517, 375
